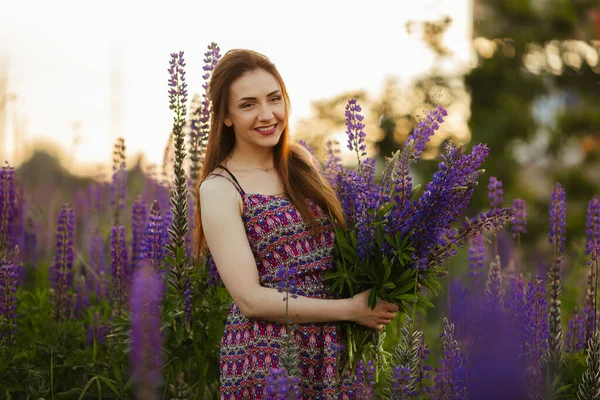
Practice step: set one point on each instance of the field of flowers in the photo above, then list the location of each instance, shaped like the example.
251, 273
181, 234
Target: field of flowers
113, 304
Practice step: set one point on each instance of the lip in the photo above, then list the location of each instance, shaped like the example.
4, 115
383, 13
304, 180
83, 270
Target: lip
269, 132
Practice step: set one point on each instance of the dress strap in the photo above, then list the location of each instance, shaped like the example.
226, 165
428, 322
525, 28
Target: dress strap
236, 184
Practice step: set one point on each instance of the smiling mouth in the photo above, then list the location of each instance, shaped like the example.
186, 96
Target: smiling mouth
266, 128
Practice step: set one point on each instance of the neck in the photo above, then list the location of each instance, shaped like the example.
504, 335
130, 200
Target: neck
262, 158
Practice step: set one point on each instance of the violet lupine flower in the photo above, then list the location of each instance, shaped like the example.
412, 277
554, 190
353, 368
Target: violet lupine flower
61, 270
451, 379
155, 237
9, 283
490, 220
558, 218
287, 280
425, 129
515, 307
139, 215
306, 146
121, 274
333, 163
354, 129
365, 384
495, 192
7, 210
215, 278
536, 335
280, 386
146, 338
593, 229
519, 220
576, 332
96, 330
476, 258
446, 197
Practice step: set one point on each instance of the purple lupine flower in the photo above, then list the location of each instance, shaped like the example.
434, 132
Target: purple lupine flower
215, 278
287, 280
364, 384
7, 210
476, 258
425, 129
138, 225
558, 218
446, 196
576, 332
155, 238
61, 270
354, 130
451, 380
333, 163
121, 275
281, 386
593, 229
490, 220
177, 84
368, 171
401, 383
495, 192
536, 335
96, 330
146, 337
519, 220
9, 283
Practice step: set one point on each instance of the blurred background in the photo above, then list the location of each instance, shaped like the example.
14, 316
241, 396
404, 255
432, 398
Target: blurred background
522, 76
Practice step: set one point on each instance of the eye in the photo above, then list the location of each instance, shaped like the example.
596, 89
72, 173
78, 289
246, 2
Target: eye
276, 98
246, 105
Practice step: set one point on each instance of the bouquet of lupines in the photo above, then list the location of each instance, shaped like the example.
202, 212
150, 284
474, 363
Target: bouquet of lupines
395, 241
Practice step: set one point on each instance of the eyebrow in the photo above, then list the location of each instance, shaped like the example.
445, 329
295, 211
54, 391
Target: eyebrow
254, 98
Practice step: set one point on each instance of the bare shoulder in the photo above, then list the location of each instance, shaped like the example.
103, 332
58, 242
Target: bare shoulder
218, 192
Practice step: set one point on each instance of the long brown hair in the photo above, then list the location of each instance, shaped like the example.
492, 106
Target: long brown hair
301, 181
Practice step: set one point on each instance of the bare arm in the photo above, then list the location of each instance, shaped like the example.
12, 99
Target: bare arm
228, 244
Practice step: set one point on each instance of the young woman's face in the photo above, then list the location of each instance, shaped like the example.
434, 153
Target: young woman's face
256, 109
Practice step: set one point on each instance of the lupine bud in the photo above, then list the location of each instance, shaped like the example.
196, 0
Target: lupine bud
146, 338
425, 129
495, 192
558, 218
9, 281
61, 270
120, 267
138, 224
519, 220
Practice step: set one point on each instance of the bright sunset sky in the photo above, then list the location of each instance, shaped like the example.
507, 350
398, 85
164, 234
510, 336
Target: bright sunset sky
60, 53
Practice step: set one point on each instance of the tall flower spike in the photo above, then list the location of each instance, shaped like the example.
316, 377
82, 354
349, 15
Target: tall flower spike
557, 239
138, 225
61, 270
494, 293
590, 384
354, 130
119, 180
7, 210
519, 220
536, 336
451, 381
425, 129
406, 361
120, 267
146, 339
155, 237
9, 274
495, 192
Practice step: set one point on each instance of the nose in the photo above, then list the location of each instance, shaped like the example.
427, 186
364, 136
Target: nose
265, 113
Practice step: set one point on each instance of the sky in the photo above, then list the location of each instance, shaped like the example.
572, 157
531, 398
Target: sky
59, 56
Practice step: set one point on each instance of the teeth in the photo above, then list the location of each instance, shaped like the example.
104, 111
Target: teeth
268, 128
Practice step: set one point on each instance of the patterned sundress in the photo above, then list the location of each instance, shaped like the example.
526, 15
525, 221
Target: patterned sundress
250, 347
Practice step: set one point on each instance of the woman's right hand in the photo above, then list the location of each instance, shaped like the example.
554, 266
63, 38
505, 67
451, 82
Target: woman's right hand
362, 314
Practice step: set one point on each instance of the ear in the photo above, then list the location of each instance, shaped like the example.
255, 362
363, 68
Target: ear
228, 122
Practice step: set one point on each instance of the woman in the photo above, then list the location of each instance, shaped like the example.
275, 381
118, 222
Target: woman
262, 205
